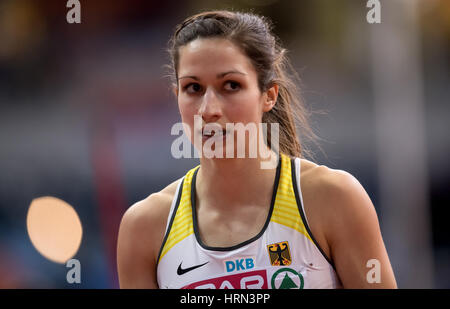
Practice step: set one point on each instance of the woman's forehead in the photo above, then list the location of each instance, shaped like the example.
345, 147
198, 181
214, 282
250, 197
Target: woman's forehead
214, 56
204, 43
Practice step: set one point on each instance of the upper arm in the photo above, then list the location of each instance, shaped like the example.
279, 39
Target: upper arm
354, 235
140, 235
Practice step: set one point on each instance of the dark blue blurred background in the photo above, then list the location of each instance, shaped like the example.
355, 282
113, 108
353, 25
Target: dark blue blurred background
86, 113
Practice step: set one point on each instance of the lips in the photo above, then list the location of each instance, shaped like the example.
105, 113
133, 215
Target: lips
211, 133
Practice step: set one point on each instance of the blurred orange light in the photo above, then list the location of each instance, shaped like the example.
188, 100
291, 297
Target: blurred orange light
54, 228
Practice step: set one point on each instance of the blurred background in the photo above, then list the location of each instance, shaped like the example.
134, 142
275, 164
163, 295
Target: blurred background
86, 113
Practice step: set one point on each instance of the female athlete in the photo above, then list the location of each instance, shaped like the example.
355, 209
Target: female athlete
229, 223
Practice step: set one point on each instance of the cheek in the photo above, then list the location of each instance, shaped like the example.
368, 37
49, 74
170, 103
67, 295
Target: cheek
187, 112
248, 109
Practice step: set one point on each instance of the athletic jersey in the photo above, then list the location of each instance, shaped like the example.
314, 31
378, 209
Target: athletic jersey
284, 254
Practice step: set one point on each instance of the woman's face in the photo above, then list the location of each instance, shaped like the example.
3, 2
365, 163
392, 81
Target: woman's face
218, 83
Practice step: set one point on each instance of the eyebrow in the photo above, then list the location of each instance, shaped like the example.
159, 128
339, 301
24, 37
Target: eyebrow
220, 75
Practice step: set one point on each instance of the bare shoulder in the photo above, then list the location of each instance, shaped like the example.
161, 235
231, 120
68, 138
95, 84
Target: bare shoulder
344, 219
334, 191
328, 182
146, 220
141, 234
333, 199
155, 205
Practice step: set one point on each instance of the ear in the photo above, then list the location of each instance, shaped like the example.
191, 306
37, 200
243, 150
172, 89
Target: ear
270, 98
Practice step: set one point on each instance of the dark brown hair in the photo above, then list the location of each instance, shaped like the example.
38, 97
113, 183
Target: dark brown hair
253, 35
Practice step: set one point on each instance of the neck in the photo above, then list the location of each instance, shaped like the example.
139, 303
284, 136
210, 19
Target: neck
229, 183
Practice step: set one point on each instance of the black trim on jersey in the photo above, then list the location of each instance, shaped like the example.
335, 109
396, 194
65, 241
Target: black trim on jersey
269, 215
302, 214
171, 220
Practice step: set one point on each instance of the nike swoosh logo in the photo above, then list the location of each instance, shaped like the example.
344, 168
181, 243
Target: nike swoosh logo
181, 271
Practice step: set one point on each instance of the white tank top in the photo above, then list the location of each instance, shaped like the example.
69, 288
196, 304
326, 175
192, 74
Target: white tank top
284, 254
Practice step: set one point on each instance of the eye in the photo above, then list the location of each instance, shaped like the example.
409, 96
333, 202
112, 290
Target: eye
233, 86
192, 88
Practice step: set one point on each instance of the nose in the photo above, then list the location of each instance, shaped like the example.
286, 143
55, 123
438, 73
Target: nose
210, 108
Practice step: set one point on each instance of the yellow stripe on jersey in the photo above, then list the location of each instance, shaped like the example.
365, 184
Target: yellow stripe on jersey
182, 225
285, 210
